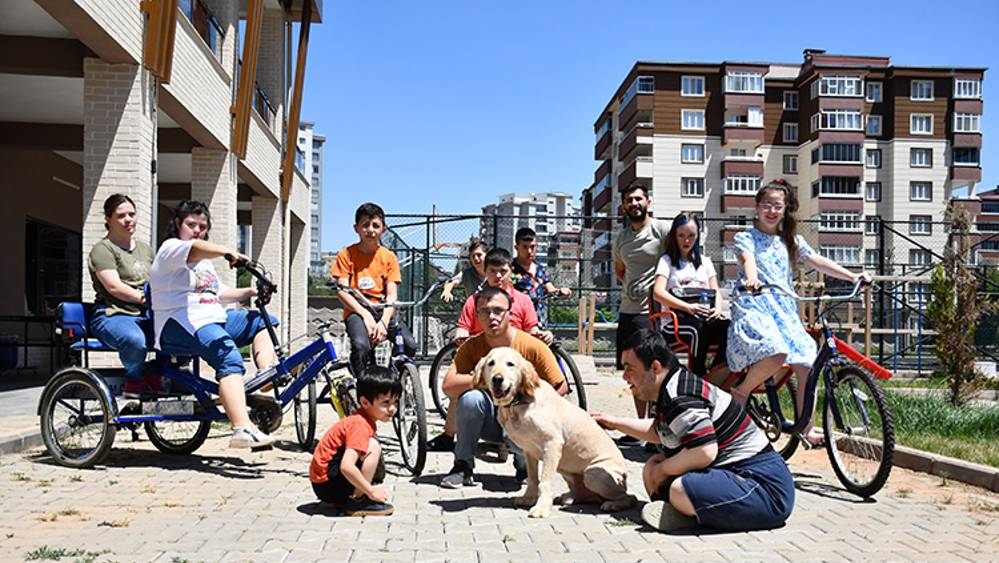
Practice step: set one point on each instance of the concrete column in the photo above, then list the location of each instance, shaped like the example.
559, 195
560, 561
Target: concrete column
213, 181
265, 247
298, 283
119, 126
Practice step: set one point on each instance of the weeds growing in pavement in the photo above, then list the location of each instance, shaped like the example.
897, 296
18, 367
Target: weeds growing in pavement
46, 553
18, 476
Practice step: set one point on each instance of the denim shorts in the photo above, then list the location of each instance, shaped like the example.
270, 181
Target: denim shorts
752, 494
218, 343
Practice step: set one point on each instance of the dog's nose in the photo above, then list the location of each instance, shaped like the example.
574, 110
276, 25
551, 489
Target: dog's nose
497, 379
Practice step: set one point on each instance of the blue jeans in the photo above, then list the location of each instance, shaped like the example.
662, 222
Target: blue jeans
218, 343
127, 334
475, 419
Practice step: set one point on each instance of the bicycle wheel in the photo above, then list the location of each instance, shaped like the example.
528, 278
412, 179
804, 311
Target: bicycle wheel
860, 436
410, 421
177, 436
571, 372
438, 369
305, 416
76, 421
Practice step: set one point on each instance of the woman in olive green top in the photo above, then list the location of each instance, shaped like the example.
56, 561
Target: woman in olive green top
119, 268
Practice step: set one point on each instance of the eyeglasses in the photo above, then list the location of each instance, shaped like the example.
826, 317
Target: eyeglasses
775, 207
492, 311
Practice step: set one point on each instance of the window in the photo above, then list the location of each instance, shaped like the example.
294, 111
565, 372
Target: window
692, 119
692, 153
872, 225
967, 123
840, 152
920, 191
872, 258
790, 164
872, 191
737, 152
874, 158
919, 257
990, 207
921, 124
692, 187
965, 156
873, 92
920, 225
845, 255
790, 99
840, 221
692, 86
643, 84
921, 90
967, 88
840, 85
874, 125
840, 186
840, 119
920, 157
753, 117
745, 82
742, 184
790, 132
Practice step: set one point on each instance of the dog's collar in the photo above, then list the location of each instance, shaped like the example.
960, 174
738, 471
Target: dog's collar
518, 399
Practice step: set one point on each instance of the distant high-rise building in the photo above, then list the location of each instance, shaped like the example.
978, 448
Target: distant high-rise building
311, 145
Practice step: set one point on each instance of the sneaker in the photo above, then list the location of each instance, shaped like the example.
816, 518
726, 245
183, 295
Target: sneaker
249, 437
132, 389
627, 440
651, 448
459, 476
366, 507
663, 517
442, 443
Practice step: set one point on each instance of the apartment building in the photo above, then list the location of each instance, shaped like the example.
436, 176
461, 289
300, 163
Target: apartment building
548, 213
860, 138
311, 146
163, 100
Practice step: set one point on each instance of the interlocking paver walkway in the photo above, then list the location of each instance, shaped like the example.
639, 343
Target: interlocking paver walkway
220, 505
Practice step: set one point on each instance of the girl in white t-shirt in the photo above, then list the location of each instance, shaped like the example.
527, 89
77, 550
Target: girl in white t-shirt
188, 302
682, 270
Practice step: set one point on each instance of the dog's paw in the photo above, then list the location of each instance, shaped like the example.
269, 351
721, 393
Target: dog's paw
527, 499
540, 510
619, 504
565, 499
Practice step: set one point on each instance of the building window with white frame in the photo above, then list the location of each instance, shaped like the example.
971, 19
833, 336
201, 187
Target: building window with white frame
872, 258
691, 153
965, 156
848, 186
790, 132
742, 184
920, 225
967, 123
852, 120
921, 124
872, 191
920, 157
692, 187
744, 82
872, 225
919, 257
874, 125
921, 90
840, 152
873, 92
692, 120
692, 86
737, 153
968, 88
840, 221
841, 254
841, 86
874, 158
790, 164
920, 191
790, 99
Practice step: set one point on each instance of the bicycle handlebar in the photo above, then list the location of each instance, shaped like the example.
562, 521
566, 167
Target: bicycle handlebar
373, 307
741, 292
552, 295
265, 287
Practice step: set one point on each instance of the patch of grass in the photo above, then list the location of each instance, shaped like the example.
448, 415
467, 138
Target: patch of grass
119, 523
620, 522
45, 482
903, 492
919, 383
112, 482
75, 479
508, 538
18, 476
69, 512
934, 425
46, 553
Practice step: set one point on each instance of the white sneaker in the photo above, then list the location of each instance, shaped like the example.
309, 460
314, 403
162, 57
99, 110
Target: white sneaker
663, 517
250, 437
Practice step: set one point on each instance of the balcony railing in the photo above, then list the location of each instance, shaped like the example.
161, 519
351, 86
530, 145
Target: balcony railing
263, 105
300, 160
205, 23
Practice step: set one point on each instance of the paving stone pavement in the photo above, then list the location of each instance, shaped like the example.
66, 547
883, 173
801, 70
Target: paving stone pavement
221, 505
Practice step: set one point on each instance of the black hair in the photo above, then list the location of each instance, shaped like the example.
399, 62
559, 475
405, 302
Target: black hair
488, 292
649, 346
525, 234
673, 246
369, 210
112, 203
636, 185
477, 243
181, 212
498, 257
377, 380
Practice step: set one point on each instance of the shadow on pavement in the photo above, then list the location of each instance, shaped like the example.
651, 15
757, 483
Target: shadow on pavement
635, 453
319, 509
830, 492
225, 466
460, 504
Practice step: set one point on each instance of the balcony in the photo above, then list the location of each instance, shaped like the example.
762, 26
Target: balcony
736, 201
603, 170
966, 173
640, 138
732, 165
742, 134
728, 232
604, 141
205, 23
638, 169
638, 109
834, 203
602, 194
967, 140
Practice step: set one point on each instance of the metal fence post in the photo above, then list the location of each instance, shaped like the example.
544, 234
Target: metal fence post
426, 285
495, 230
881, 288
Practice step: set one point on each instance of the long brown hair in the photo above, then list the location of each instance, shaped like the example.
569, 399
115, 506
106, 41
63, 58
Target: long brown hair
788, 227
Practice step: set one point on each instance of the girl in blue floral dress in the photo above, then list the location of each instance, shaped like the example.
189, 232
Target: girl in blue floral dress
766, 331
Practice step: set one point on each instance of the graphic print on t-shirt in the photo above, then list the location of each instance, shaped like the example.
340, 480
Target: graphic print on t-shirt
206, 285
365, 283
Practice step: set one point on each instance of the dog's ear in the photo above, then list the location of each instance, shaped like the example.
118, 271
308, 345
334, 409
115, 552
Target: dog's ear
479, 380
528, 379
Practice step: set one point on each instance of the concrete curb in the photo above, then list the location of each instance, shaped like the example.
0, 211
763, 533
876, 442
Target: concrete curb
16, 443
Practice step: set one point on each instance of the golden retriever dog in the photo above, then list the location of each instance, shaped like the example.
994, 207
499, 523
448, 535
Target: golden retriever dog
555, 432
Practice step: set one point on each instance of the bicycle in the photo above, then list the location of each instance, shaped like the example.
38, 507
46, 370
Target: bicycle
410, 420
855, 417
445, 357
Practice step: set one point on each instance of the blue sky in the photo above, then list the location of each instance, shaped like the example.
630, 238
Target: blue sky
455, 102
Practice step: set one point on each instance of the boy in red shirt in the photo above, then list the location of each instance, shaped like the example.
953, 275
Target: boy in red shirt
345, 460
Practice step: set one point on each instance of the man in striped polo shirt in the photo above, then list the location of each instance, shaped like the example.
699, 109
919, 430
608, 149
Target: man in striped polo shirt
714, 468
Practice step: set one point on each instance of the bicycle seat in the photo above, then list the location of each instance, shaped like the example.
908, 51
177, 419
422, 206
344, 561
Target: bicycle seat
74, 324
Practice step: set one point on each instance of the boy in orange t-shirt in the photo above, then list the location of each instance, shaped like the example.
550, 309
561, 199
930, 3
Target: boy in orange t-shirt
345, 460
373, 270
